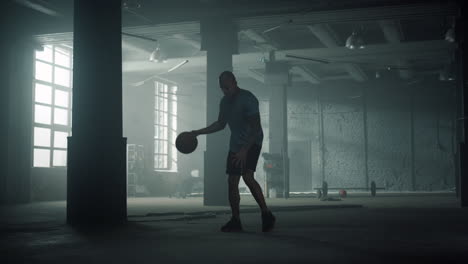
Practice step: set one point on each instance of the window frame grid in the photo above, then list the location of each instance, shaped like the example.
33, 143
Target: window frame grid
164, 94
53, 126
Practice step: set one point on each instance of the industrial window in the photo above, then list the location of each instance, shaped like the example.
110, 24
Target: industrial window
52, 105
165, 127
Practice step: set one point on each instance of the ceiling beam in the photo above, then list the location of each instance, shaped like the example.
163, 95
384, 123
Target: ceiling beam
434, 49
326, 35
413, 11
393, 34
330, 39
194, 43
261, 23
256, 75
127, 45
391, 30
259, 40
306, 74
437, 50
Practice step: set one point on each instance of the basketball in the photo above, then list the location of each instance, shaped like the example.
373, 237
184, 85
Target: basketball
186, 142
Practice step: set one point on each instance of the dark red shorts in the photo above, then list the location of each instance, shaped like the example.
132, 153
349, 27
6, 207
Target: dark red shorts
250, 163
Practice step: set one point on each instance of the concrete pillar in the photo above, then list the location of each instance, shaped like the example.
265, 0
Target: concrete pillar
461, 37
96, 185
4, 113
412, 141
219, 39
366, 136
16, 83
277, 80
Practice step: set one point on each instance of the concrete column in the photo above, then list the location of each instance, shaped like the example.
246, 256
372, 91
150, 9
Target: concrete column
321, 133
4, 113
277, 80
219, 39
16, 83
412, 143
461, 37
366, 136
96, 185
17, 102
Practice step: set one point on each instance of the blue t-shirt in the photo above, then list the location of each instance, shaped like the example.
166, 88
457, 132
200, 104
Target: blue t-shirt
235, 111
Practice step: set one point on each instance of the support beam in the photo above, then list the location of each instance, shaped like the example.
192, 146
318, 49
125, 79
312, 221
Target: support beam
256, 22
219, 39
96, 174
254, 74
17, 118
366, 135
462, 37
438, 50
331, 40
398, 12
412, 138
394, 35
391, 30
326, 35
259, 40
306, 74
186, 39
277, 79
356, 72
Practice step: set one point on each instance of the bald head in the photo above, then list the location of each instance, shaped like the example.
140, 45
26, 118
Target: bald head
227, 76
228, 83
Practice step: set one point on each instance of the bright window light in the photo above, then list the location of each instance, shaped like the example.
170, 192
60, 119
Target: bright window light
60, 139
45, 55
61, 98
62, 77
52, 107
165, 120
43, 94
43, 71
42, 114
62, 57
60, 116
41, 137
60, 158
41, 157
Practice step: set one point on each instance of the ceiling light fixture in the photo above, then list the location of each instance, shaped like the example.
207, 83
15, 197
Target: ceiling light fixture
157, 56
450, 34
447, 73
355, 41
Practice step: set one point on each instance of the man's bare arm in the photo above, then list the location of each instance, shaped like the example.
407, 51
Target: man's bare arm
255, 124
215, 127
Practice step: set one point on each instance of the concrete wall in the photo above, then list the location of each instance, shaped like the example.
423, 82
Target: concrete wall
389, 132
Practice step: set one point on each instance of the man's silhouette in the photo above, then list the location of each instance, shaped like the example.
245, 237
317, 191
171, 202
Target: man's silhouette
239, 109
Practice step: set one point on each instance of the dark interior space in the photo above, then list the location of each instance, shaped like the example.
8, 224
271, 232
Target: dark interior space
360, 106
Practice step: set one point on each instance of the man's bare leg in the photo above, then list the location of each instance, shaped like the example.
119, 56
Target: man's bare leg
234, 197
255, 189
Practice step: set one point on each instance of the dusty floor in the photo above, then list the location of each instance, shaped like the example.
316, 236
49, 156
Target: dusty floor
390, 228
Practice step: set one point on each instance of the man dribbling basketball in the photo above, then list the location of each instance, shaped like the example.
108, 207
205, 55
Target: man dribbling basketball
239, 109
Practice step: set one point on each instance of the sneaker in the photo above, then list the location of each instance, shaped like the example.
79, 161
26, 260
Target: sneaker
234, 225
268, 221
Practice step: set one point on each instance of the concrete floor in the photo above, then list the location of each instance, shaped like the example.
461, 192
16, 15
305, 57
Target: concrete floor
390, 228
